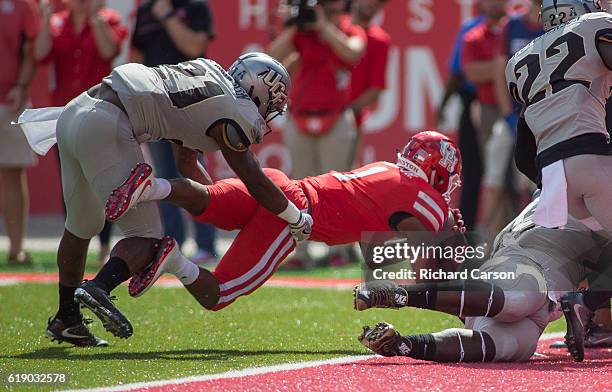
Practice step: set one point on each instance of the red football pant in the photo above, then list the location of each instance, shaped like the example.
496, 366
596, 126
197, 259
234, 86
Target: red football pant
264, 239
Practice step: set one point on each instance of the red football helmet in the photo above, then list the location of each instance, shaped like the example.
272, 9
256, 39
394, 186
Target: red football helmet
435, 158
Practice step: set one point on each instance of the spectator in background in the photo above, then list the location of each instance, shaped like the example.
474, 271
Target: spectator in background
320, 130
169, 32
468, 141
19, 25
368, 78
521, 29
481, 46
80, 43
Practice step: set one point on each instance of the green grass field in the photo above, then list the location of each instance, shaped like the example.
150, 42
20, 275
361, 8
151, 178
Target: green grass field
174, 337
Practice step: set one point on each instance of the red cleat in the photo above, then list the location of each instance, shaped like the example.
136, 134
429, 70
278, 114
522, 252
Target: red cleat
128, 194
141, 282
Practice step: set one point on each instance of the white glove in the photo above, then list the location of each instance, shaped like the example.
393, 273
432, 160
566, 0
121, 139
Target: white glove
302, 229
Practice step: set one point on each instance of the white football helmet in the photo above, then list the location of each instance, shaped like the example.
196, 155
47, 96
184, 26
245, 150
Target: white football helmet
558, 12
265, 80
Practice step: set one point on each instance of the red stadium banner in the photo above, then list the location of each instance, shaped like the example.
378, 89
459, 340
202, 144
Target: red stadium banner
422, 33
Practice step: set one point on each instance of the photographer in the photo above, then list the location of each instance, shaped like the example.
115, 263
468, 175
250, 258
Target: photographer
320, 130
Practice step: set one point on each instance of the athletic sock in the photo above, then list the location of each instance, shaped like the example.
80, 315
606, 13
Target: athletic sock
160, 189
183, 268
422, 295
112, 274
421, 346
69, 310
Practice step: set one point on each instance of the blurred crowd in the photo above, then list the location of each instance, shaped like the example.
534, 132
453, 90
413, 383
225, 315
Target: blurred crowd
337, 56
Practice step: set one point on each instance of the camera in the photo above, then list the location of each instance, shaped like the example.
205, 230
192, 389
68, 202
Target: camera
301, 12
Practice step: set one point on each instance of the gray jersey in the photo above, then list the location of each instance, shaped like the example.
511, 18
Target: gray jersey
181, 102
562, 81
560, 252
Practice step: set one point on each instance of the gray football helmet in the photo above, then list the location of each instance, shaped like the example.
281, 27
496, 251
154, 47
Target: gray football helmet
558, 12
265, 80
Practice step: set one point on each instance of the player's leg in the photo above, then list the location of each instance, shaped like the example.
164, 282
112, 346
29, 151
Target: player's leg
84, 219
506, 300
262, 244
15, 209
588, 196
228, 205
98, 140
483, 340
254, 256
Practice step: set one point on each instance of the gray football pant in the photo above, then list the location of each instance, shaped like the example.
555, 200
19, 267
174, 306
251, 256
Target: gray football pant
97, 152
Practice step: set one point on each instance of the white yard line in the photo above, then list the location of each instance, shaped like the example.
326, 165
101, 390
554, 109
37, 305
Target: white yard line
232, 374
255, 371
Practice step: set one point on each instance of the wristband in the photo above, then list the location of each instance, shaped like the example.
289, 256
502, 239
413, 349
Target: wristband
291, 214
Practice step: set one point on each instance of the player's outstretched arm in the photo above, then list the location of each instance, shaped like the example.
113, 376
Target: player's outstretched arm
247, 168
525, 151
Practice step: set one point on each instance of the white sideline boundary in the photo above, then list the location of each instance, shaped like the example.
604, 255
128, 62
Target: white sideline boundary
253, 371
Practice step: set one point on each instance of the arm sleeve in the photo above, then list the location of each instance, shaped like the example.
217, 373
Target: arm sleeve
201, 19
526, 151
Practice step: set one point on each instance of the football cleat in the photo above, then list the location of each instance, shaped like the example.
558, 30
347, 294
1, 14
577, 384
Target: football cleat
130, 193
379, 294
597, 337
73, 333
142, 281
384, 340
101, 304
577, 315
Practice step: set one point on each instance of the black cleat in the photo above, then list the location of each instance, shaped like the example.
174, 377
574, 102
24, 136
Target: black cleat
99, 302
73, 333
379, 294
384, 340
597, 337
577, 316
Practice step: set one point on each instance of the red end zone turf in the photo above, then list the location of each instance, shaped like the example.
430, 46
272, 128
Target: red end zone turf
553, 372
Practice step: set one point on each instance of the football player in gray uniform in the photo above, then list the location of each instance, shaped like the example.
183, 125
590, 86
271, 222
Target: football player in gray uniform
504, 318
197, 105
562, 79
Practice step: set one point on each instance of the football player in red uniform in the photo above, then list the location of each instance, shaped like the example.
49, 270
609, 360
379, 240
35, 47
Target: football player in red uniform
411, 195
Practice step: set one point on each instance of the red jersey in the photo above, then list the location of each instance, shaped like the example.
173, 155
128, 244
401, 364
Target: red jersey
483, 43
76, 61
320, 87
343, 205
18, 21
370, 71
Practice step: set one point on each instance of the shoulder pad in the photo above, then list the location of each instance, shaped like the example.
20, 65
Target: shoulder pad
234, 138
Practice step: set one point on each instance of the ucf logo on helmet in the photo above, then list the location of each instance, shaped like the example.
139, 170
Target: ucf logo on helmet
273, 80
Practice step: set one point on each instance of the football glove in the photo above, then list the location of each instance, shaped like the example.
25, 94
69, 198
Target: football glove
302, 229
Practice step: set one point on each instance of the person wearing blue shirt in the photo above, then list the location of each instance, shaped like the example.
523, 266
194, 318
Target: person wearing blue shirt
472, 163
